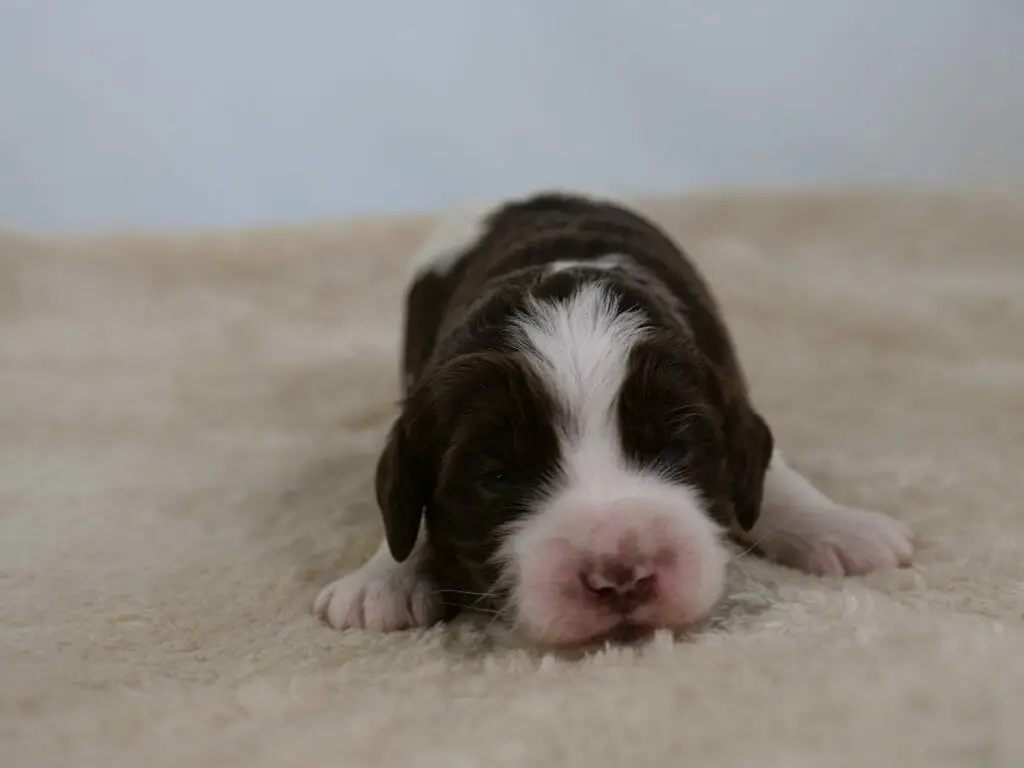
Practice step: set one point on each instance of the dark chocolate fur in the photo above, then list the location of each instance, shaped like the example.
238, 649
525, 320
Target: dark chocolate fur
474, 409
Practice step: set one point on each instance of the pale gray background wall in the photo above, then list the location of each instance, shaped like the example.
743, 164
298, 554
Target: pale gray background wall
135, 113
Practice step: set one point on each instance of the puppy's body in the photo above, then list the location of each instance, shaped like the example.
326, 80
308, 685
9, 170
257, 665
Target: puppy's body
577, 435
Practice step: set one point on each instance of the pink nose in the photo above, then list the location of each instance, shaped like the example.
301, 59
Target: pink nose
618, 586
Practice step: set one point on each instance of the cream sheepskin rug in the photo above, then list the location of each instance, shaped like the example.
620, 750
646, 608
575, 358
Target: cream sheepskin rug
188, 428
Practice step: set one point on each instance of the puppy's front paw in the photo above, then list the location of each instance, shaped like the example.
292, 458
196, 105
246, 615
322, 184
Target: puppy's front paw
842, 541
380, 600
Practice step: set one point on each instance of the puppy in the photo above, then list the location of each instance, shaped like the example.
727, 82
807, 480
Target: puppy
577, 439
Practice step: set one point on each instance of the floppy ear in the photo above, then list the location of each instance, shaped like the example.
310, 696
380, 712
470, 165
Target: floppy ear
403, 483
750, 444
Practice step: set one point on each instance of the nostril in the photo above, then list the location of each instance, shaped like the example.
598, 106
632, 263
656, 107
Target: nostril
643, 588
619, 576
620, 586
604, 593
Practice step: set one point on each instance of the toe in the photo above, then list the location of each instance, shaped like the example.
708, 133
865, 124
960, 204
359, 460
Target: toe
825, 561
323, 600
845, 541
340, 605
424, 606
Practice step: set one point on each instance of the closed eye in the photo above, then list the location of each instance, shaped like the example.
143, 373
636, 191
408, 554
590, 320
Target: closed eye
674, 456
494, 480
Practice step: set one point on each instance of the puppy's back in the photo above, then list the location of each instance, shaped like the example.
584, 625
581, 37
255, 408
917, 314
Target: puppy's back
557, 230
438, 267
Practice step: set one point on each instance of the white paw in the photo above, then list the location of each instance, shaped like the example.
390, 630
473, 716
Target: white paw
841, 541
380, 600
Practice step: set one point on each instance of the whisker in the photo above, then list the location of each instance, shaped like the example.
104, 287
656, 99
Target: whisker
468, 593
487, 611
500, 615
751, 546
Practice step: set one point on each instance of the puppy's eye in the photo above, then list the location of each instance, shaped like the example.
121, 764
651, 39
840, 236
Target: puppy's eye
674, 455
495, 480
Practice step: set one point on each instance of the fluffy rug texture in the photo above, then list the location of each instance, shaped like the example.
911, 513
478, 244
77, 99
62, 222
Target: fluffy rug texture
188, 428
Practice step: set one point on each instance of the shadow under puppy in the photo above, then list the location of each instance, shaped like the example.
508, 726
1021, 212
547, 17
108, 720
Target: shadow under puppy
577, 439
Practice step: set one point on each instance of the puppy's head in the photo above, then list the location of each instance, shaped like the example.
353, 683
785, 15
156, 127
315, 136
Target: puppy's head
577, 478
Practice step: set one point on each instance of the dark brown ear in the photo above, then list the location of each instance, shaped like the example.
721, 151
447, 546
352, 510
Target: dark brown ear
750, 445
403, 482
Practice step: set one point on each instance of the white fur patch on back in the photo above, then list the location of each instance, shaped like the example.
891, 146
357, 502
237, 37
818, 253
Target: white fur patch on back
608, 261
454, 235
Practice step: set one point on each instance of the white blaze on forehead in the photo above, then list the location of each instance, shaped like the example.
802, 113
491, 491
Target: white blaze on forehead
599, 508
451, 238
580, 346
